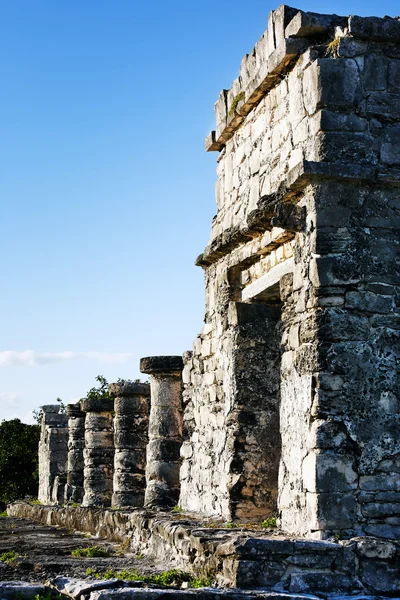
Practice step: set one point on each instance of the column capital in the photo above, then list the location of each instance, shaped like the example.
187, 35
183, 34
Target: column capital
74, 410
97, 405
158, 365
126, 388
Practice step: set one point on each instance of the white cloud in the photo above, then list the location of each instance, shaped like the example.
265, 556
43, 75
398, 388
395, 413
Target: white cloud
30, 358
9, 405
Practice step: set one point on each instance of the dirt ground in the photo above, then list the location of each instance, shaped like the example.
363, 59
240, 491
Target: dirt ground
45, 552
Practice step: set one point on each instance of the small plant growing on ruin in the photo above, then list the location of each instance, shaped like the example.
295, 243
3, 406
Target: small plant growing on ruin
240, 96
9, 557
90, 552
176, 509
139, 556
270, 522
230, 525
171, 578
49, 596
33, 501
332, 48
4, 513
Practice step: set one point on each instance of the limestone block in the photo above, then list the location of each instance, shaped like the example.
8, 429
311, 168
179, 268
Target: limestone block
394, 77
329, 473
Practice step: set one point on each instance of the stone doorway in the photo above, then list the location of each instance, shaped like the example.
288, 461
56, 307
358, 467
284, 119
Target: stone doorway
257, 443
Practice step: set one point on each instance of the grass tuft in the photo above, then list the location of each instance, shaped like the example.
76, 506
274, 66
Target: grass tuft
9, 557
90, 552
270, 522
171, 578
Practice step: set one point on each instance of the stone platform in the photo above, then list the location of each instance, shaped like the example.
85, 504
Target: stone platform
239, 557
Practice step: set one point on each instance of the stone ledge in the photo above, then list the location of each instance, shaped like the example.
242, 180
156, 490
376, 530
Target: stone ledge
271, 211
238, 557
97, 405
269, 75
128, 388
161, 364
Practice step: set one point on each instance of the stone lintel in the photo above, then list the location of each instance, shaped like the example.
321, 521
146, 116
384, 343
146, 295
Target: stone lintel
128, 388
269, 279
97, 405
157, 365
74, 410
270, 212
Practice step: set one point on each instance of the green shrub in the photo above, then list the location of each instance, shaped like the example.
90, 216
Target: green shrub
173, 577
270, 522
9, 557
90, 552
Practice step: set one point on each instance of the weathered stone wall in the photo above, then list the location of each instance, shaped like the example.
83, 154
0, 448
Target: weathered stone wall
362, 568
307, 224
53, 452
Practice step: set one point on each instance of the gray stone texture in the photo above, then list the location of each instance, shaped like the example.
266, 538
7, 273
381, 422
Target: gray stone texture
307, 225
165, 430
360, 568
76, 442
53, 454
131, 420
98, 452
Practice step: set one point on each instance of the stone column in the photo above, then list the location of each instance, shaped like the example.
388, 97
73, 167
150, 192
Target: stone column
165, 430
52, 453
131, 424
99, 452
76, 444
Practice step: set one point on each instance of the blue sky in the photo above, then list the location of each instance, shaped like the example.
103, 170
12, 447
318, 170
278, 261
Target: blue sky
107, 194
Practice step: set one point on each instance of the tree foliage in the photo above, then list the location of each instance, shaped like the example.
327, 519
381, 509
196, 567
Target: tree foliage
18, 460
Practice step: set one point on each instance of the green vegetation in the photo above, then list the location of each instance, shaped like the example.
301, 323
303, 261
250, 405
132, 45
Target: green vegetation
101, 391
270, 522
18, 460
235, 102
9, 557
90, 552
33, 501
173, 578
176, 509
333, 47
4, 513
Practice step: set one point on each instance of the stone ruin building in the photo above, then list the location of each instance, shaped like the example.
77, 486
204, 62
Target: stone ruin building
288, 404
